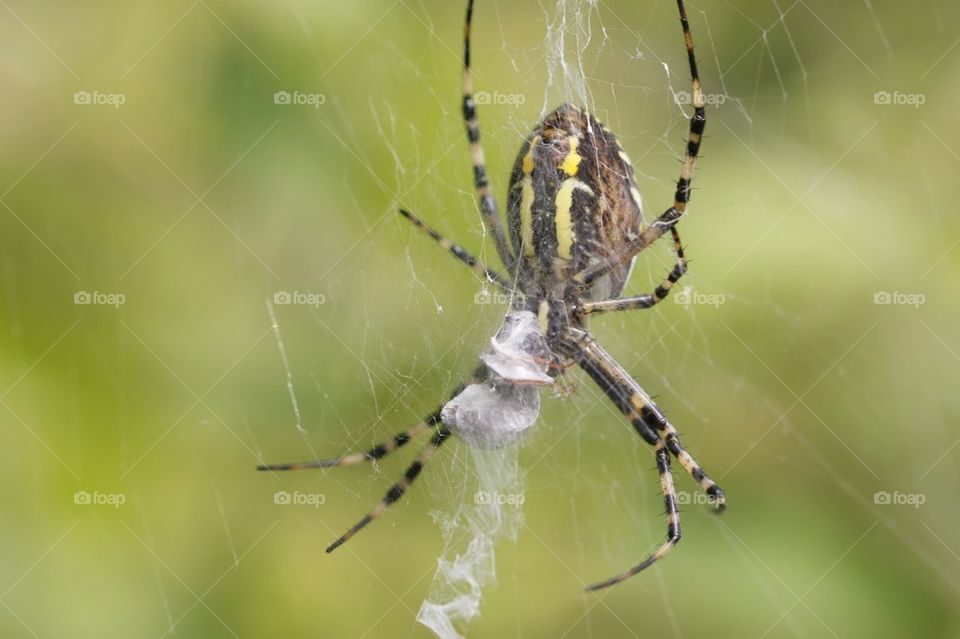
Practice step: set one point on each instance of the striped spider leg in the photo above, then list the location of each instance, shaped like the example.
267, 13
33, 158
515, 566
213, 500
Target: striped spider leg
673, 521
460, 253
488, 203
669, 218
379, 451
647, 300
651, 424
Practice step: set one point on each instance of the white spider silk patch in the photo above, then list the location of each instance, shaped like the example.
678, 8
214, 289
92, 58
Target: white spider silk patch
498, 412
518, 352
489, 417
467, 565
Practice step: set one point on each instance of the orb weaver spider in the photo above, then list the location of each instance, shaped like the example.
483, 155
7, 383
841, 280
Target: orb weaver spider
575, 226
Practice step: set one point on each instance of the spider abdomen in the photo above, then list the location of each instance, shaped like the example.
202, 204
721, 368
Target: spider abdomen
572, 202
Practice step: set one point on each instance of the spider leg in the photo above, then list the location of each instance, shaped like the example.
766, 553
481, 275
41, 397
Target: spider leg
647, 418
697, 123
399, 488
488, 204
459, 252
647, 236
682, 196
673, 521
649, 299
380, 450
377, 452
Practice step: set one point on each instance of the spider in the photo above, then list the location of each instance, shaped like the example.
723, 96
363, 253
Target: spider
575, 226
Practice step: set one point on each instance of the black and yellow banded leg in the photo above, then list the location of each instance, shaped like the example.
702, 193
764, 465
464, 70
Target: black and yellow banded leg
698, 122
673, 521
377, 452
382, 450
459, 252
650, 234
647, 418
649, 299
488, 204
399, 488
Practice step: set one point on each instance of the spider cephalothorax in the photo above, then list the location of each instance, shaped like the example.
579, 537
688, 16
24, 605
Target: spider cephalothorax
574, 226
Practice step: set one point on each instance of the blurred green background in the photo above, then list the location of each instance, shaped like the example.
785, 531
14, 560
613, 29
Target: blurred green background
176, 182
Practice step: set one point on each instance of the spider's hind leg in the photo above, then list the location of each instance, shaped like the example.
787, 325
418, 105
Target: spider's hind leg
481, 183
649, 299
460, 253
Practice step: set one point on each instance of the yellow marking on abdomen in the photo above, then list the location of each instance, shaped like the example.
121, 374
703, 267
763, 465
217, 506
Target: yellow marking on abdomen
563, 220
544, 315
526, 201
528, 162
572, 161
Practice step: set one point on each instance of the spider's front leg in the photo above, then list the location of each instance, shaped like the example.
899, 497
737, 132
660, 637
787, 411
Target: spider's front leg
650, 423
381, 450
647, 418
673, 521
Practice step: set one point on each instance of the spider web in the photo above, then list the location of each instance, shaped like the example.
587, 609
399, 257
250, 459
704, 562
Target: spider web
479, 489
576, 40
810, 198
579, 51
